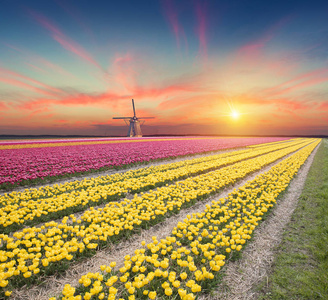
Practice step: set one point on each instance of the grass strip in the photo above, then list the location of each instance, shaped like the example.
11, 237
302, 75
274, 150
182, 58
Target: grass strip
301, 263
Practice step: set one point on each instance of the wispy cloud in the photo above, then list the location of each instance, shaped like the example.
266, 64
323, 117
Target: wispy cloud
21, 84
300, 82
39, 60
124, 70
252, 51
66, 42
75, 14
201, 11
35, 68
3, 106
54, 67
171, 13
323, 106
74, 99
9, 73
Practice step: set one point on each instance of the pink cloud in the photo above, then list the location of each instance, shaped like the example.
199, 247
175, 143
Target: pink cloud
25, 85
54, 67
124, 71
7, 72
307, 83
40, 113
37, 59
76, 49
3, 106
280, 67
65, 41
294, 105
172, 17
112, 99
252, 52
323, 106
36, 68
75, 14
304, 84
318, 72
168, 90
201, 28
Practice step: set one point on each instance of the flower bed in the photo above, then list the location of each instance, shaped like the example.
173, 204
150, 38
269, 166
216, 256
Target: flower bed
33, 206
49, 248
34, 165
187, 262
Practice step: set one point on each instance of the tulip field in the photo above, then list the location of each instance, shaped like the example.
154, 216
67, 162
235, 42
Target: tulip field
25, 162
46, 229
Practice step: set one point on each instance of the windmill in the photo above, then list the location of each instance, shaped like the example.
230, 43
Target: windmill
134, 127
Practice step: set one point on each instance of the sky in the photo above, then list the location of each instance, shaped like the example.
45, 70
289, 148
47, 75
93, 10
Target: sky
207, 67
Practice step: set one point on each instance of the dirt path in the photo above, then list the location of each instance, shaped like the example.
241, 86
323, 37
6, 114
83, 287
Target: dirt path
242, 276
53, 286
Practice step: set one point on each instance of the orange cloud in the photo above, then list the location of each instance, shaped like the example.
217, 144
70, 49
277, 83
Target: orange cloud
7, 72
25, 85
323, 106
321, 71
280, 89
3, 106
106, 99
125, 71
78, 99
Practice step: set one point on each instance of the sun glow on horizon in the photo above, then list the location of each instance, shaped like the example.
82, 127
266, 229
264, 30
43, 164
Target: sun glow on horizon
235, 114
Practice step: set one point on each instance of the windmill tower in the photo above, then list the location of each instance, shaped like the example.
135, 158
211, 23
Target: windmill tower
134, 127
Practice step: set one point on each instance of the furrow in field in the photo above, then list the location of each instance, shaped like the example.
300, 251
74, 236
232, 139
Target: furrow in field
188, 261
34, 206
49, 248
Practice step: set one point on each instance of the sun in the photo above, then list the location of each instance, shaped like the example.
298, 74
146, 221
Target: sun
235, 114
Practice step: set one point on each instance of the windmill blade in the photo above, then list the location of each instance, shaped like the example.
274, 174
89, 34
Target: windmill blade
134, 123
134, 111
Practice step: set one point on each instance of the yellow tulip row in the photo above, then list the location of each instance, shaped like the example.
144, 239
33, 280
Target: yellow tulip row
49, 191
50, 247
185, 263
277, 142
44, 204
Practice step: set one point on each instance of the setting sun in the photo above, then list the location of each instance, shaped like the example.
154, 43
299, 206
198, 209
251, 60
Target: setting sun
235, 114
